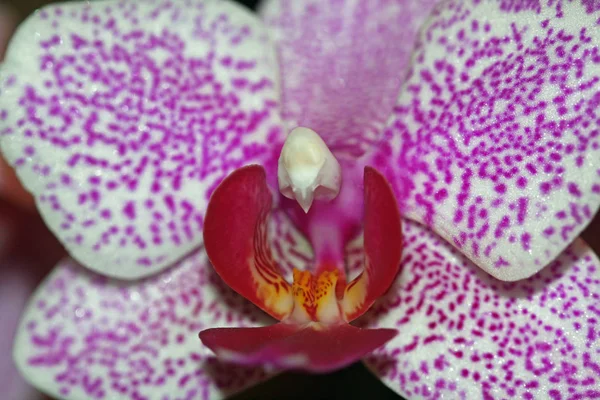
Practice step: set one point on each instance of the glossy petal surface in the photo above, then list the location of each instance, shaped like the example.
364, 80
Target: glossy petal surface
90, 337
299, 347
464, 334
342, 63
382, 246
495, 140
237, 244
121, 118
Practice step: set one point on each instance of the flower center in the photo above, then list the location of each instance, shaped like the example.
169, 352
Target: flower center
236, 241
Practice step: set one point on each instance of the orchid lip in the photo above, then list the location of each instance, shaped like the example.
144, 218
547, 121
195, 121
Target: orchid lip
316, 309
307, 169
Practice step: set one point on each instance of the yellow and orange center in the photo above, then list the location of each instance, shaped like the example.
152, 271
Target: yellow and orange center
315, 297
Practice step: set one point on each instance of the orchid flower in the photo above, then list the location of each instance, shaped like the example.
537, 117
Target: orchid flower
461, 139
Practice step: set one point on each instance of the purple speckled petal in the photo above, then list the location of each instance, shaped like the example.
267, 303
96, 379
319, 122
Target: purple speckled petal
342, 63
121, 117
495, 140
89, 337
465, 335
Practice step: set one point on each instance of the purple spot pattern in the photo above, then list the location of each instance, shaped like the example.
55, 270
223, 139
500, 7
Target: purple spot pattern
465, 335
342, 64
122, 117
494, 142
85, 336
289, 247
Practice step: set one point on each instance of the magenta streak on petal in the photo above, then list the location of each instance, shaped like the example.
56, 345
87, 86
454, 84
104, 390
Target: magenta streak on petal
494, 142
122, 118
342, 64
464, 334
317, 348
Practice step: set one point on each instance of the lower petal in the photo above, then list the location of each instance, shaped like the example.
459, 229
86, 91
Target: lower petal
315, 348
464, 334
84, 336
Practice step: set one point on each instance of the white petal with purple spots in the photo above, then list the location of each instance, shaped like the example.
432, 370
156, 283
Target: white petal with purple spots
89, 337
495, 141
85, 336
121, 117
465, 335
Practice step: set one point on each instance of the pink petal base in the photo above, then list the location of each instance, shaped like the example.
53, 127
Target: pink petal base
311, 348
